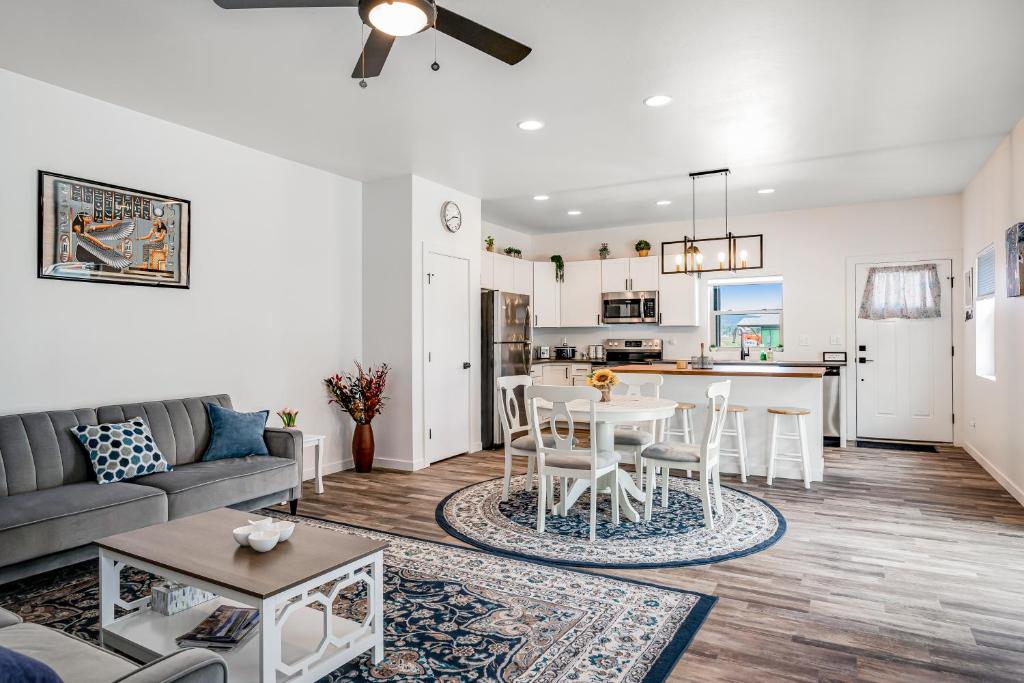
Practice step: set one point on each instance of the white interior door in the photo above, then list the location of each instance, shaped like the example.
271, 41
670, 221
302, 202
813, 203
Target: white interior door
905, 382
447, 377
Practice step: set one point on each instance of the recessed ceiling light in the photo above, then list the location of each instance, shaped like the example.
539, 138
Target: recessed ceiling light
657, 100
530, 125
541, 198
574, 212
766, 190
664, 202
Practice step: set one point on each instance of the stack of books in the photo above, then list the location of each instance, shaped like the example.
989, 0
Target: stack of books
224, 629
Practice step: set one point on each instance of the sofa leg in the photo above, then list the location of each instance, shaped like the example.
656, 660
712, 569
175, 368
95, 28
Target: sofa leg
293, 506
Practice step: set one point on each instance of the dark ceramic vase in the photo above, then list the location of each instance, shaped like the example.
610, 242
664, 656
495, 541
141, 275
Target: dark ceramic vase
362, 448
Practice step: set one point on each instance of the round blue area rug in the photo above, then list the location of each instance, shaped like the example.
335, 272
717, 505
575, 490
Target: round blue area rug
675, 536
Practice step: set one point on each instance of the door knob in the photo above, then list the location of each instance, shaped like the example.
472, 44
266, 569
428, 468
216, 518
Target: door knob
466, 366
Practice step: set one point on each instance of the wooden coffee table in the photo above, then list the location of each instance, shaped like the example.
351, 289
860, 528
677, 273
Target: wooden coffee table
295, 641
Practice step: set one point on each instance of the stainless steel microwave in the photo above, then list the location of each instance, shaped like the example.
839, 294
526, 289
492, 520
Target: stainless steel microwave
629, 307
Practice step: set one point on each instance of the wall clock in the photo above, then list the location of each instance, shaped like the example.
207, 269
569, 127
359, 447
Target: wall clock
451, 216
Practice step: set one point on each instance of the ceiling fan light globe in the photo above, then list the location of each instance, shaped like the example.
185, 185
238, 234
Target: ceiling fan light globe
398, 17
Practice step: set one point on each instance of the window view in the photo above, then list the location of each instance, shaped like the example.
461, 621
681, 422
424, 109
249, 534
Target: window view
985, 315
747, 313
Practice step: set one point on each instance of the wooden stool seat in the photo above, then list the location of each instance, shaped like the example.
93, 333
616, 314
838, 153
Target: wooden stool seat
735, 409
686, 406
789, 411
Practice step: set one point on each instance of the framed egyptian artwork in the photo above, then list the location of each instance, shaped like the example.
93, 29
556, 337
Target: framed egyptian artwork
95, 232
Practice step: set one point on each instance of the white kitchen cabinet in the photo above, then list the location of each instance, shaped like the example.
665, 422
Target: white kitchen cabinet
677, 300
581, 294
556, 374
487, 270
504, 273
644, 273
630, 274
615, 275
547, 296
522, 277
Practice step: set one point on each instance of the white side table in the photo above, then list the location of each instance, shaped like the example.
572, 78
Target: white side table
317, 441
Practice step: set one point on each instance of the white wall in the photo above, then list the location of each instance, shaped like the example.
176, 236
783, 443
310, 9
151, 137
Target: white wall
992, 202
401, 222
274, 305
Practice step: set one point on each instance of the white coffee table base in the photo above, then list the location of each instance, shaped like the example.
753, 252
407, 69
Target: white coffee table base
296, 642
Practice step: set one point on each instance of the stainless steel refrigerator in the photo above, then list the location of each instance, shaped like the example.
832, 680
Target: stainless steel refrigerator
505, 350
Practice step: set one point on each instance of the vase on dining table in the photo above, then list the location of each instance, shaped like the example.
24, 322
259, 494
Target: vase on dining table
606, 395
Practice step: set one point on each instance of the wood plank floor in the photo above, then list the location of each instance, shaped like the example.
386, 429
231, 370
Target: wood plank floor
901, 566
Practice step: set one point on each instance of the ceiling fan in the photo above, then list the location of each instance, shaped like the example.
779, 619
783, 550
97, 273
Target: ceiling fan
390, 19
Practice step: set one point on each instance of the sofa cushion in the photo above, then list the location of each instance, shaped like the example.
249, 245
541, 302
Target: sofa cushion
74, 660
42, 522
203, 486
234, 434
121, 451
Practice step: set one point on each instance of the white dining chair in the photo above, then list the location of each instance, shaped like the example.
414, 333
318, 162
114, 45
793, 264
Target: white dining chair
635, 438
702, 458
516, 429
560, 457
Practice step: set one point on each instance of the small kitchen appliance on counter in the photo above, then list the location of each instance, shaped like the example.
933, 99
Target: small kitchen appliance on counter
595, 351
543, 353
565, 352
633, 351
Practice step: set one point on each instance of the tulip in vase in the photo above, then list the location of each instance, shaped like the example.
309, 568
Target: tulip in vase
361, 395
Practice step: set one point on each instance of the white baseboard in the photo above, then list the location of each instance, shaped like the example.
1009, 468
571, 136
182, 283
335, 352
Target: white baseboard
1004, 481
329, 468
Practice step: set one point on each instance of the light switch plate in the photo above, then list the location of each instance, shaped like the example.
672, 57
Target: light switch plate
804, 340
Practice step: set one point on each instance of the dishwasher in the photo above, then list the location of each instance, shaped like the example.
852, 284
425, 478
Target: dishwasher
831, 401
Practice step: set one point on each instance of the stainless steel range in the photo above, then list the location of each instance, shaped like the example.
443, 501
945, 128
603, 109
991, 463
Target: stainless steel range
632, 351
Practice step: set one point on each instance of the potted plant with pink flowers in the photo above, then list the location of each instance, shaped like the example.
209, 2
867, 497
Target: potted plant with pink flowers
361, 395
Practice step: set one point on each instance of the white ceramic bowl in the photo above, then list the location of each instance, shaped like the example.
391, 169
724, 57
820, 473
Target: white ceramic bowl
262, 541
262, 523
285, 529
241, 534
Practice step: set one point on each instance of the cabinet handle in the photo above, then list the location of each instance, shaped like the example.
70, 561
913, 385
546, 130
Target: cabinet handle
659, 317
567, 373
535, 319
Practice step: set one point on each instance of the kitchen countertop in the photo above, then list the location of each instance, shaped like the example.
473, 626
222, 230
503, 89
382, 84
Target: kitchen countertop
737, 370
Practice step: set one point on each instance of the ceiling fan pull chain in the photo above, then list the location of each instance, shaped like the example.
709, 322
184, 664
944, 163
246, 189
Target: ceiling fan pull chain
362, 54
435, 66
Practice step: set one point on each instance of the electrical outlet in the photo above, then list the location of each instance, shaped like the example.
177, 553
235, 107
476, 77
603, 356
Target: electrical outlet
834, 340
804, 340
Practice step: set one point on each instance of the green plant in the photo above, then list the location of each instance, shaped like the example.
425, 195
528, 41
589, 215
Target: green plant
489, 241
604, 251
289, 416
559, 268
514, 251
642, 245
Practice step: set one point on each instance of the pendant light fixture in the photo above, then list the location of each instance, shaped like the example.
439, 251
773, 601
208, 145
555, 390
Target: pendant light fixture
734, 252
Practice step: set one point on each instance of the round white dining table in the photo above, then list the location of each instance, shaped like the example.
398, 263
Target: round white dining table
620, 410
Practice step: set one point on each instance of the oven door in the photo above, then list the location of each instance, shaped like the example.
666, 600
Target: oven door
616, 307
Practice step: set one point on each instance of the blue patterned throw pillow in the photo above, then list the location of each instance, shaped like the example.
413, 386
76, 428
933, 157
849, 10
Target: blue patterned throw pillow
121, 451
234, 434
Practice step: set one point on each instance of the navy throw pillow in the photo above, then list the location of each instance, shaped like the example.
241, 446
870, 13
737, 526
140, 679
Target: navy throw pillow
234, 434
18, 668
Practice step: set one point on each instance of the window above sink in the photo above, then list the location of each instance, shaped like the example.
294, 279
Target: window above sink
746, 312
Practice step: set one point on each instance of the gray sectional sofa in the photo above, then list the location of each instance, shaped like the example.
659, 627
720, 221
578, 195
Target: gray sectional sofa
51, 508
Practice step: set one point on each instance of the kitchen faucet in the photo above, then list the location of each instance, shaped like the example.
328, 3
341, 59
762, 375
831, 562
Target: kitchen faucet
744, 351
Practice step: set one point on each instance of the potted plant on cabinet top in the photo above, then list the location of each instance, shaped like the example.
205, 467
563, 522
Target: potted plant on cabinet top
489, 242
361, 395
559, 268
643, 248
513, 252
604, 252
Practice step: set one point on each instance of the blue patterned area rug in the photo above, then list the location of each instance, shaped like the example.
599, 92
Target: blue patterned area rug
457, 614
675, 536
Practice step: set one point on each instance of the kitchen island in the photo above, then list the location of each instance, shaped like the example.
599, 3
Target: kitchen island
758, 387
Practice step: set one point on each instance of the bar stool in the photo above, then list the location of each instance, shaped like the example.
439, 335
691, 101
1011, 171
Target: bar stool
799, 436
738, 433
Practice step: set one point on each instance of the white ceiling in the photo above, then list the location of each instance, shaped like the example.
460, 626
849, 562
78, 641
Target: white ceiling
828, 101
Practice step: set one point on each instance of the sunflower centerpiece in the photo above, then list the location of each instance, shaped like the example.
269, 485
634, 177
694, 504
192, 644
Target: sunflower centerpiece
603, 379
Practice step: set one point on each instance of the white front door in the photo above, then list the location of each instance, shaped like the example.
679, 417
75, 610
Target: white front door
904, 370
446, 334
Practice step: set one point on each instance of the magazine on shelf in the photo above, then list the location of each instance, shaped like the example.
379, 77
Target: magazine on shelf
225, 628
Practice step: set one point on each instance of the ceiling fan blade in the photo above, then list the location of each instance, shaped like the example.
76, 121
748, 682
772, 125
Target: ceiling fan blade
375, 53
480, 37
261, 4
